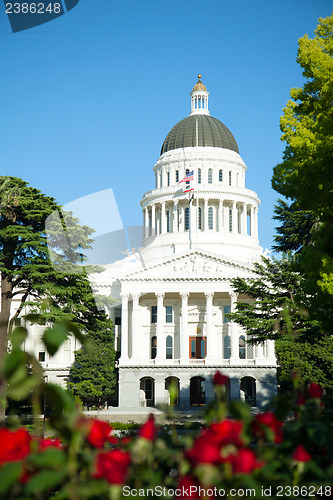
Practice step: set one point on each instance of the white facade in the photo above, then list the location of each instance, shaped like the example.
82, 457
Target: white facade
174, 302
171, 322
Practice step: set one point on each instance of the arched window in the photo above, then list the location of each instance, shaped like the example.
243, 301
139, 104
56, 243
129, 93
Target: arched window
156, 180
199, 218
172, 386
210, 218
230, 220
153, 350
220, 175
169, 350
230, 178
237, 179
226, 347
197, 391
187, 219
242, 347
160, 180
248, 390
168, 221
210, 176
199, 175
177, 175
239, 222
147, 391
168, 178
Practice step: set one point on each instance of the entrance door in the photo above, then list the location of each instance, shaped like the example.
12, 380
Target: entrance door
197, 391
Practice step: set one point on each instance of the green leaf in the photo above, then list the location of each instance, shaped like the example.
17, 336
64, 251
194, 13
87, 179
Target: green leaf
45, 481
22, 388
51, 457
9, 475
61, 400
54, 337
13, 362
18, 336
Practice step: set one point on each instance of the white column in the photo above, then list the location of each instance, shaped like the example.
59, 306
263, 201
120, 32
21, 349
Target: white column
184, 342
252, 220
221, 225
175, 217
234, 333
206, 215
153, 220
256, 222
259, 353
124, 326
159, 327
193, 215
211, 347
163, 219
226, 218
270, 349
234, 217
145, 223
135, 326
244, 219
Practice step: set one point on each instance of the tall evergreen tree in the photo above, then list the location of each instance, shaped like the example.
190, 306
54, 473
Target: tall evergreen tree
27, 273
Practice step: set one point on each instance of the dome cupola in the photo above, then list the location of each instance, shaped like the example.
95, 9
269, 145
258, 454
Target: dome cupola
199, 128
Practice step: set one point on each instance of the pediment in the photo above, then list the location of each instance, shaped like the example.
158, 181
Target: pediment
194, 265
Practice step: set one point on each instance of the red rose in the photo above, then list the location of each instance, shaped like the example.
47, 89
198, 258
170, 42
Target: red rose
225, 432
15, 445
189, 487
300, 400
204, 451
315, 391
112, 465
148, 430
220, 379
269, 420
100, 433
245, 461
48, 442
301, 455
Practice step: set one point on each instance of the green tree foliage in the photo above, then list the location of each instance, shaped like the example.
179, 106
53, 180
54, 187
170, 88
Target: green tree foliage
305, 175
279, 310
92, 376
29, 276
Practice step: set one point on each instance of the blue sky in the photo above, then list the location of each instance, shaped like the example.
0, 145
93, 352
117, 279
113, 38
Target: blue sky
88, 98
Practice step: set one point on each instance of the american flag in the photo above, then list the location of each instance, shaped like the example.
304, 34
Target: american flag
189, 177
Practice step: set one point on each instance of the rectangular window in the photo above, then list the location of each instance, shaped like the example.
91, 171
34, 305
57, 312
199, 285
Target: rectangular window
154, 314
210, 176
168, 178
168, 314
198, 347
41, 356
210, 218
199, 175
230, 179
177, 175
168, 221
187, 219
226, 311
17, 322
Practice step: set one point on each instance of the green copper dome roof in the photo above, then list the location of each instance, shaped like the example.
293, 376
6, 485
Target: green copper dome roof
211, 132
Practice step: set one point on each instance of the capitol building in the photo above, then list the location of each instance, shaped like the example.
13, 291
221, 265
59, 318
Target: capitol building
171, 321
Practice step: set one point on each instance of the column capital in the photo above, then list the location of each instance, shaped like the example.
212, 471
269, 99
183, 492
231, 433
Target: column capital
135, 295
160, 295
209, 295
124, 295
233, 296
184, 295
